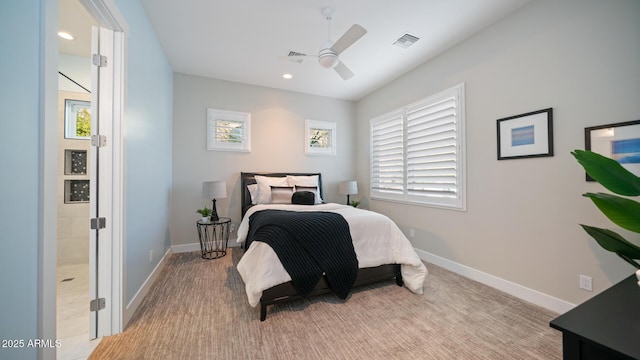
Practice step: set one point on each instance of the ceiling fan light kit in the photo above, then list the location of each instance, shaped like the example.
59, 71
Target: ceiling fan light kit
329, 54
328, 59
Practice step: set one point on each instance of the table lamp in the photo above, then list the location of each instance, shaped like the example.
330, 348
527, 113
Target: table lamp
348, 188
214, 190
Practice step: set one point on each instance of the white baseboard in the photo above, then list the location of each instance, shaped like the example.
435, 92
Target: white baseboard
133, 305
533, 296
182, 248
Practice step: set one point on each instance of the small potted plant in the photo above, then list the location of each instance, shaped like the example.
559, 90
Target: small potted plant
206, 214
354, 203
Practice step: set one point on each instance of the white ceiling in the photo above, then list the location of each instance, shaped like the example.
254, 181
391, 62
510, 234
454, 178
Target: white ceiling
242, 40
75, 20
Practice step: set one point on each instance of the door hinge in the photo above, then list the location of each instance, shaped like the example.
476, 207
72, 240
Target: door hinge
98, 223
99, 140
97, 304
99, 60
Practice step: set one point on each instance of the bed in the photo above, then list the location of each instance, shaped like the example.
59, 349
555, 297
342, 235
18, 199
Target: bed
383, 252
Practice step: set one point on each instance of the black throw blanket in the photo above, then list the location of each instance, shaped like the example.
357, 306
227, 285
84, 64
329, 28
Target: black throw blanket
308, 244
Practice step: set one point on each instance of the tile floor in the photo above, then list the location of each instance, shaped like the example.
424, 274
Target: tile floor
73, 312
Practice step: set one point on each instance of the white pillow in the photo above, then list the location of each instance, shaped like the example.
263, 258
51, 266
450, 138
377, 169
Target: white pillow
263, 195
253, 191
303, 180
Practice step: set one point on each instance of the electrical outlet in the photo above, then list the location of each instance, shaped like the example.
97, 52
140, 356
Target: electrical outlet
232, 228
586, 283
150, 255
412, 233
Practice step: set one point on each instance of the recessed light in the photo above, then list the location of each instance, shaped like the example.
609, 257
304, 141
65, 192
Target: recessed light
287, 76
65, 35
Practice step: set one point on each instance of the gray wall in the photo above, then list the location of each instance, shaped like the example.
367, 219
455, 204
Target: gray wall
579, 57
76, 67
277, 132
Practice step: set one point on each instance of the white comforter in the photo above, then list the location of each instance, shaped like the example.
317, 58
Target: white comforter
376, 239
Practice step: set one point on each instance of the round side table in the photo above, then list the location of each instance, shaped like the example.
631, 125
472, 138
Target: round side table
214, 237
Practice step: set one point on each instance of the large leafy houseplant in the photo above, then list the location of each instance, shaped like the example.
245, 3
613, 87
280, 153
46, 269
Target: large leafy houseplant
622, 211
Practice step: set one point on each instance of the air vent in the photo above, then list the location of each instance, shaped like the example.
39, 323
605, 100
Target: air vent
405, 41
293, 53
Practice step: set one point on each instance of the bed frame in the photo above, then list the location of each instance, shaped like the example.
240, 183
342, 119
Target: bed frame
285, 292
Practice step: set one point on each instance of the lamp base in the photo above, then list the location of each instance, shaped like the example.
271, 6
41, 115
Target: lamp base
214, 212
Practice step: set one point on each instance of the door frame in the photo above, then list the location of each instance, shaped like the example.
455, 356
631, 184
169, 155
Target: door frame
110, 270
108, 16
101, 239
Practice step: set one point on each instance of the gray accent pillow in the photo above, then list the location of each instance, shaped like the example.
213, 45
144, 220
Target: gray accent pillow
281, 194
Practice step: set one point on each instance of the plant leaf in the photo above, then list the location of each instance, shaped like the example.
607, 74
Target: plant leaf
613, 242
622, 211
609, 173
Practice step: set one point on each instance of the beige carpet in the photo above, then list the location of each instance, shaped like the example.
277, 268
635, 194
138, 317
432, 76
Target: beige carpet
197, 309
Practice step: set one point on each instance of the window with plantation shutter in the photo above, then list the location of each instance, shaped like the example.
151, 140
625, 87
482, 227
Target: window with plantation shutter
228, 130
417, 153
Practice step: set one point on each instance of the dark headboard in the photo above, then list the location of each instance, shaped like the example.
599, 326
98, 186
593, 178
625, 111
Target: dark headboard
248, 178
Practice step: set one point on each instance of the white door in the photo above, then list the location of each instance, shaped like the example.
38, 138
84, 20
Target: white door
101, 183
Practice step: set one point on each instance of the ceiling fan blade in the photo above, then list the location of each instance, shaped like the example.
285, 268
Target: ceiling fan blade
343, 71
352, 35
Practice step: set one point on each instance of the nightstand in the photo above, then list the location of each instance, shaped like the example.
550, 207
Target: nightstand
605, 326
214, 237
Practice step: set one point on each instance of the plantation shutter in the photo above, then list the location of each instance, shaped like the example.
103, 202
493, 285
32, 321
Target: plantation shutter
432, 149
229, 131
418, 152
387, 155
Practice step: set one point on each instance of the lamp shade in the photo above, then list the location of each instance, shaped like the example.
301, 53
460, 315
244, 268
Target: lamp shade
214, 189
349, 187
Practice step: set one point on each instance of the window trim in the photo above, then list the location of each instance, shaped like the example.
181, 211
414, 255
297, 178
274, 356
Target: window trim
454, 203
213, 115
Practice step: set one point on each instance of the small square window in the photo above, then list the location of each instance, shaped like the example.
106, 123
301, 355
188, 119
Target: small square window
320, 137
228, 130
77, 119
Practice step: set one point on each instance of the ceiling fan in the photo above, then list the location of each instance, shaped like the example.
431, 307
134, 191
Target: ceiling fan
328, 56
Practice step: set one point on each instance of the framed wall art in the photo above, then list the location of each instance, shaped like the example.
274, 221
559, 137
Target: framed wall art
319, 137
526, 135
619, 141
